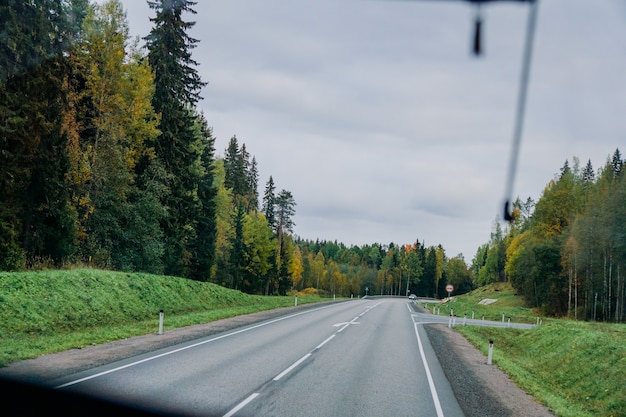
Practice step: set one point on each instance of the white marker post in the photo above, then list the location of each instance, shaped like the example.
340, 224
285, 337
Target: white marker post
160, 322
490, 354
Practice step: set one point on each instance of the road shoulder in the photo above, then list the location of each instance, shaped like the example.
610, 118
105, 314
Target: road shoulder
482, 390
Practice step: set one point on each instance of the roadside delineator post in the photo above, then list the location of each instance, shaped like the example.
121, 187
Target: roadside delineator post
296, 302
160, 322
490, 354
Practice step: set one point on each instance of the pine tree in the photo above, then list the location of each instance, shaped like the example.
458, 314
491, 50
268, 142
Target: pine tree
285, 210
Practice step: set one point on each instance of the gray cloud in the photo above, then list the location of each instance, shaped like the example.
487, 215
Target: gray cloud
376, 117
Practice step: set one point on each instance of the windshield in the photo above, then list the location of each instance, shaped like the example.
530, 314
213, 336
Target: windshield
190, 162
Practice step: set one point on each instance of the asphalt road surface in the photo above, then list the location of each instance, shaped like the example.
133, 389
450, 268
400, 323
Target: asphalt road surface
357, 358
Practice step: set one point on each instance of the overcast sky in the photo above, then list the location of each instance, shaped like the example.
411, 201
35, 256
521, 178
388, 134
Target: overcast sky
385, 128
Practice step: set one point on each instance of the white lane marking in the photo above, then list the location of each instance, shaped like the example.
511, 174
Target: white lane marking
344, 327
344, 324
296, 363
119, 368
324, 342
353, 321
431, 383
241, 405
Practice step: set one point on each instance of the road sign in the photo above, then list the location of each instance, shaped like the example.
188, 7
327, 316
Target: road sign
449, 288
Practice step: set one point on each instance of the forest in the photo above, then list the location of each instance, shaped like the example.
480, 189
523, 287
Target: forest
106, 161
565, 254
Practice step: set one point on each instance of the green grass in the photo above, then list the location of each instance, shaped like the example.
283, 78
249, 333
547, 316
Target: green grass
577, 369
509, 304
50, 311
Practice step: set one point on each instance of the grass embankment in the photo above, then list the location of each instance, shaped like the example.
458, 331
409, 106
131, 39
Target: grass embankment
50, 311
575, 368
509, 304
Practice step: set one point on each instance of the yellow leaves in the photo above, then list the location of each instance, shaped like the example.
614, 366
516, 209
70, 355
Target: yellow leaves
295, 268
118, 83
514, 251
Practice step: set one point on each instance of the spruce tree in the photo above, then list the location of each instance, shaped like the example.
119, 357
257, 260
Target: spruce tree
617, 163
206, 230
253, 184
178, 148
588, 175
269, 203
232, 166
35, 219
238, 249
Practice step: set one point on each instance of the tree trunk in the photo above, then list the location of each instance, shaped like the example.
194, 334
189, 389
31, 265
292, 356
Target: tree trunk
569, 295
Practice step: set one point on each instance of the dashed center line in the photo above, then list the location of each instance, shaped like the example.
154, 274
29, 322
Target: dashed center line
242, 405
297, 363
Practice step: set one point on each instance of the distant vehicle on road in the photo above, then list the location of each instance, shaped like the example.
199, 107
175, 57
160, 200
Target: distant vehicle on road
412, 297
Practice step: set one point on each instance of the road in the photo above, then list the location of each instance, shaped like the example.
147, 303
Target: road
360, 358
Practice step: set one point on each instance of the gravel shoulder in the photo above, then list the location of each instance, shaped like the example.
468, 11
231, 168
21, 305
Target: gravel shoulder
482, 390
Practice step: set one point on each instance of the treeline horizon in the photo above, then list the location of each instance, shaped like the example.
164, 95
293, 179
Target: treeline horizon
106, 161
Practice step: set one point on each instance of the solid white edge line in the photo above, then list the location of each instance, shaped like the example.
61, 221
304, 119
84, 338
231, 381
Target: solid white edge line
431, 383
296, 363
119, 368
241, 405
